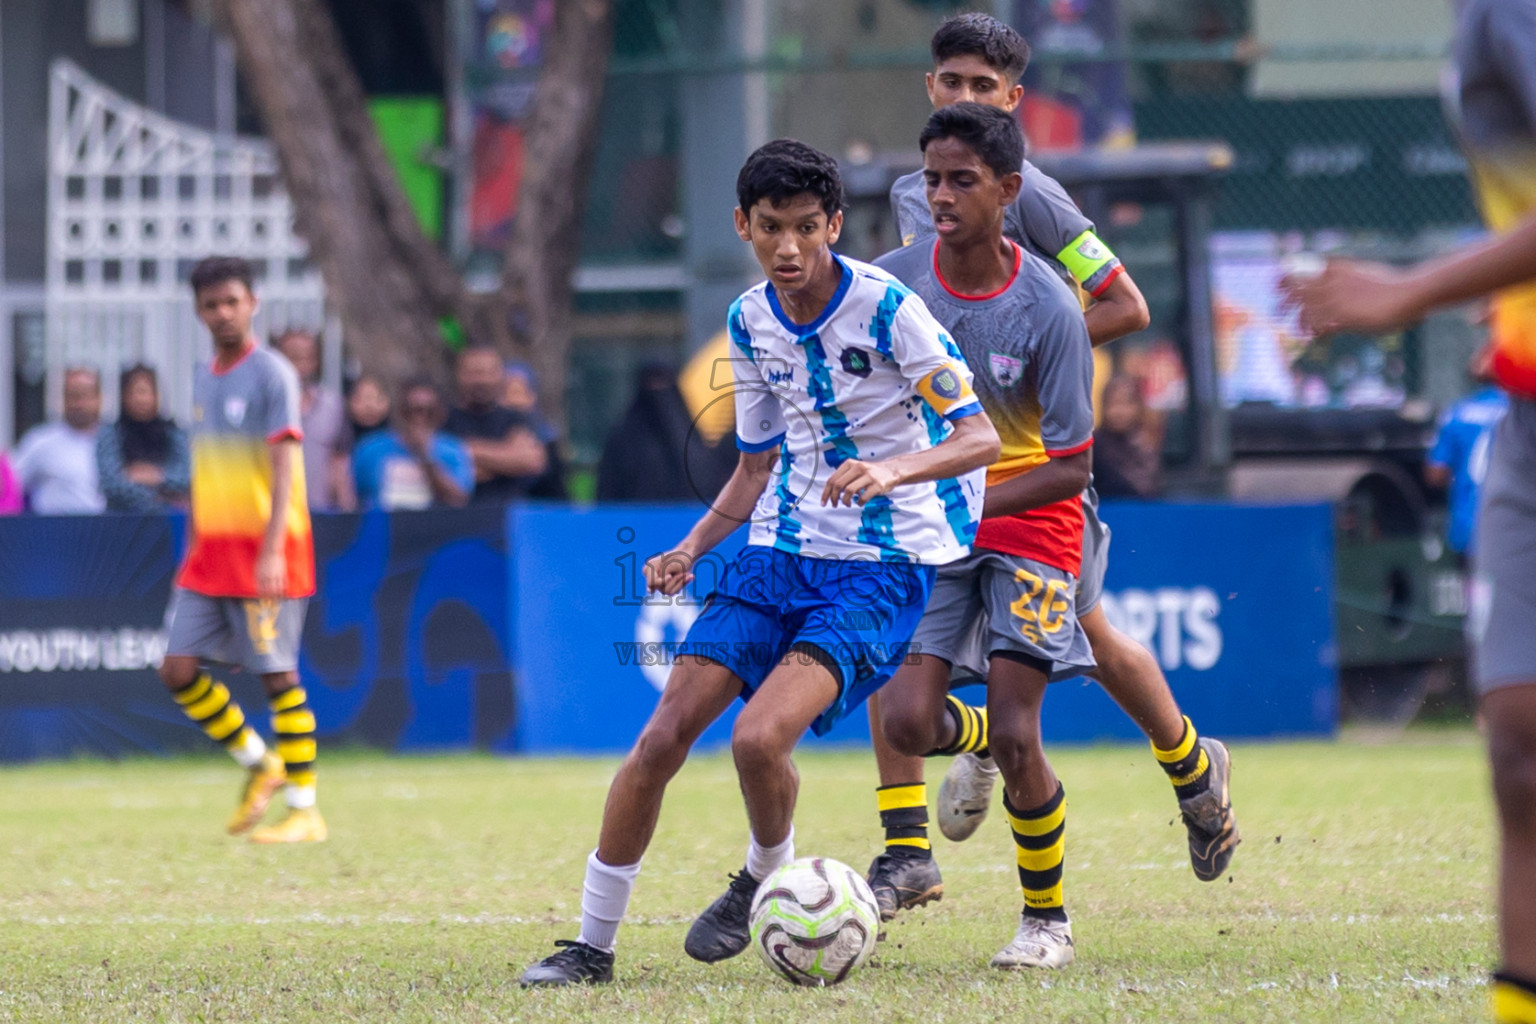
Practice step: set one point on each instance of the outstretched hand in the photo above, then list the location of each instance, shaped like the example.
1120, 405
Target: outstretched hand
1350, 296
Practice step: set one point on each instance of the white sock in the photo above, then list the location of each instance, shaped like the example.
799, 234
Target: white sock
763, 861
299, 797
604, 898
250, 750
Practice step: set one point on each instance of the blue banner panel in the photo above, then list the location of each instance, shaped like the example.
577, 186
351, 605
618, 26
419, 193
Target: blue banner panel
591, 649
1234, 601
405, 644
1236, 604
82, 601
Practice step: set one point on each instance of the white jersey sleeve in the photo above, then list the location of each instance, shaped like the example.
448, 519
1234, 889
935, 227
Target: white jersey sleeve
931, 362
759, 413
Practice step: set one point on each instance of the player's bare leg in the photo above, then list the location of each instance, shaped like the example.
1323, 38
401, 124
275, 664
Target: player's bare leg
893, 767
1510, 713
1036, 806
698, 691
293, 726
913, 721
905, 874
793, 696
1131, 675
209, 705
1198, 766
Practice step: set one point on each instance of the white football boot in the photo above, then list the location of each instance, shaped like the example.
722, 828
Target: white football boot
965, 796
1039, 943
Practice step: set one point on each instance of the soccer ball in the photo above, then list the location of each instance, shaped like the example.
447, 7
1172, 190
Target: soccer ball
814, 921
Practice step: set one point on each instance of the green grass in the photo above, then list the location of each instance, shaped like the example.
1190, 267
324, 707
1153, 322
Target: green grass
1361, 893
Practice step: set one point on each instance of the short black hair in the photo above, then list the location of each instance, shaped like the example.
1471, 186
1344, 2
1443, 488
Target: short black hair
992, 134
974, 34
783, 169
218, 269
137, 370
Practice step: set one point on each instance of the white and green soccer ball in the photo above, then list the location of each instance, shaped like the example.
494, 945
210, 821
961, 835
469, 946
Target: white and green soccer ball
814, 920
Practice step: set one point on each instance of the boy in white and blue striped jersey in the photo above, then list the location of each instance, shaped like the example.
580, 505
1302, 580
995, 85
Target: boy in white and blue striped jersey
862, 447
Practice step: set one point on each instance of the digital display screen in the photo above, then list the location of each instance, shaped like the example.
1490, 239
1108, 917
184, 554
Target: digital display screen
1262, 355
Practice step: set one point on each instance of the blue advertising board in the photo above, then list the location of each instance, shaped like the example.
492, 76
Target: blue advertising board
82, 602
1234, 601
529, 630
405, 643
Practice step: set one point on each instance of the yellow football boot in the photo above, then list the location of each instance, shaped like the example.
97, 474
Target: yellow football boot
266, 779
303, 825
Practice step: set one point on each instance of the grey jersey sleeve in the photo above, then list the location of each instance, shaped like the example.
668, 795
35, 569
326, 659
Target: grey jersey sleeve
280, 397
1045, 220
1064, 364
909, 206
1510, 42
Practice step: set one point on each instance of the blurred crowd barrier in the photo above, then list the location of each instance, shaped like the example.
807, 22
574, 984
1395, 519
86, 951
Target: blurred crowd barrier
527, 629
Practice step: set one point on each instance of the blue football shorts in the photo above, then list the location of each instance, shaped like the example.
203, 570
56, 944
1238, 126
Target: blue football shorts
859, 614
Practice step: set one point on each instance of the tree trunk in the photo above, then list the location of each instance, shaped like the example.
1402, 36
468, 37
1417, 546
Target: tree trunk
388, 281
561, 144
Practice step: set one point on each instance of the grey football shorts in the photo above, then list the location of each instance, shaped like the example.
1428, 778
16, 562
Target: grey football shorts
1090, 581
260, 636
990, 601
1501, 622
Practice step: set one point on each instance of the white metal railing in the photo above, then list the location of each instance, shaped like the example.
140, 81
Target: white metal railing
134, 200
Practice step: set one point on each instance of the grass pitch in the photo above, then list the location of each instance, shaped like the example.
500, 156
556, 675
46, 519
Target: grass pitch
1361, 892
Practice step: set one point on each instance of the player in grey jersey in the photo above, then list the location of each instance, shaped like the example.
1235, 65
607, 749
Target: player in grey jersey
1495, 97
979, 59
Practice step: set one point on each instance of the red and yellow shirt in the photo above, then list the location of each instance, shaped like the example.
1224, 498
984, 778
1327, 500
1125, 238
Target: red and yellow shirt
1495, 94
240, 416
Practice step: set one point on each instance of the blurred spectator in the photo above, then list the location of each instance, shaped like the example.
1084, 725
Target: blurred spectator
323, 417
521, 394
367, 407
10, 489
56, 462
509, 457
1124, 458
415, 465
142, 460
646, 454
1459, 459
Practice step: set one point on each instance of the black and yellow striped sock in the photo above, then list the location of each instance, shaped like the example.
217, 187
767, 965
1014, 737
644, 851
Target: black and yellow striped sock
1041, 838
293, 725
209, 704
904, 815
1186, 764
1514, 999
970, 729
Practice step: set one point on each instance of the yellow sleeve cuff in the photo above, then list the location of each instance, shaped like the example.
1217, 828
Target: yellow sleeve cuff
946, 389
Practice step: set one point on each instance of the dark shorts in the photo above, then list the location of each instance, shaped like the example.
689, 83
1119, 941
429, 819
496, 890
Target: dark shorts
1501, 619
258, 636
991, 602
858, 614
